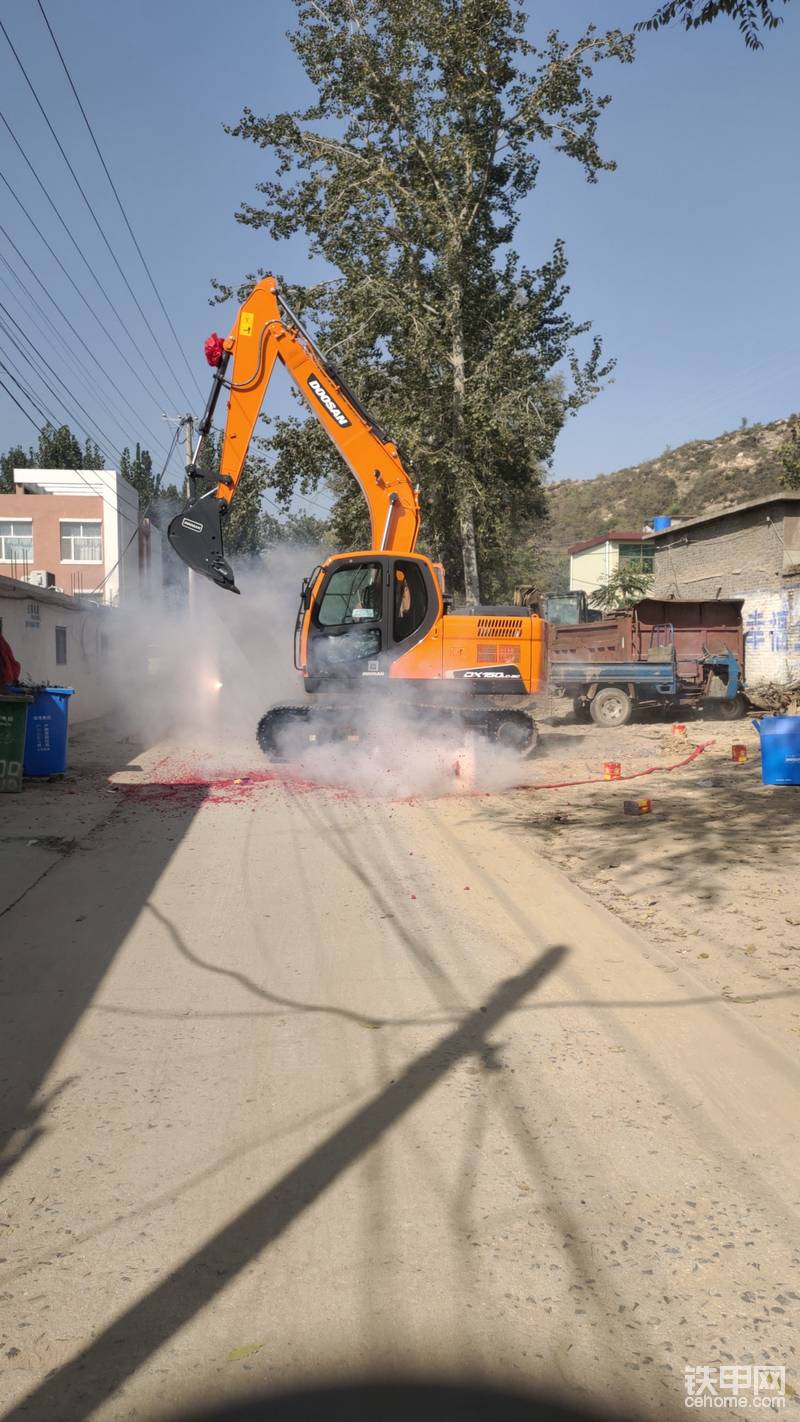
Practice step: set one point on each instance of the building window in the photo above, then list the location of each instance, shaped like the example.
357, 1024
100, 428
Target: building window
16, 539
636, 555
81, 542
61, 646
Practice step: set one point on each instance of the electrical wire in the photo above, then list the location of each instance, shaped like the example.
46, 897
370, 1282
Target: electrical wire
82, 255
46, 415
37, 229
82, 192
50, 334
142, 423
49, 417
142, 516
120, 205
27, 415
34, 353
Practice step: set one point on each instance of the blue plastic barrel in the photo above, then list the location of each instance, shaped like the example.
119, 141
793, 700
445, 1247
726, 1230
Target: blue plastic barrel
46, 736
780, 749
661, 521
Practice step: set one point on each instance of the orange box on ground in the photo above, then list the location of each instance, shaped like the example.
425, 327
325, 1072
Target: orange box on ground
637, 807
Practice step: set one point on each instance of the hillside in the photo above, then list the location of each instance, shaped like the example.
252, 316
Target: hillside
696, 477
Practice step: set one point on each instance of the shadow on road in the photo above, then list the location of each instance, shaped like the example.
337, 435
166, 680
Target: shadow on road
58, 941
83, 1384
703, 828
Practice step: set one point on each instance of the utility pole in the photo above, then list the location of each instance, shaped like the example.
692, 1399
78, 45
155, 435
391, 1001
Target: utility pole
186, 423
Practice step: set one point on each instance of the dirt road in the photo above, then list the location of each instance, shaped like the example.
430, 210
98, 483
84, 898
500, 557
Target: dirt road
299, 1082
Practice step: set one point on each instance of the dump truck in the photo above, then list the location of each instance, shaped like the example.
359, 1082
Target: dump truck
674, 654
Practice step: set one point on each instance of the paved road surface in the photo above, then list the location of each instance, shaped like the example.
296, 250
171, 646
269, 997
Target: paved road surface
298, 1084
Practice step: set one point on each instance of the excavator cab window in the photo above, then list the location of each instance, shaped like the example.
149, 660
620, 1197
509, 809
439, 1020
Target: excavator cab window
410, 599
353, 595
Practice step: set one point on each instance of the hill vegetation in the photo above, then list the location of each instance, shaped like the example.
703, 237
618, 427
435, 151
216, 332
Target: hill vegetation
694, 478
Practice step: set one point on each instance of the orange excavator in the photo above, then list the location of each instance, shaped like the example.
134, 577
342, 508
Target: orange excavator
367, 620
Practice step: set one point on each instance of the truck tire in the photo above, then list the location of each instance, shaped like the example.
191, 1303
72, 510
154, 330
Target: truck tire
732, 710
611, 707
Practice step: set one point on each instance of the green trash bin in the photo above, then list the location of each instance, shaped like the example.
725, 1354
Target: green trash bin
13, 724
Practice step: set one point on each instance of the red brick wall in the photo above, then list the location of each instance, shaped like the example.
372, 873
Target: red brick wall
45, 511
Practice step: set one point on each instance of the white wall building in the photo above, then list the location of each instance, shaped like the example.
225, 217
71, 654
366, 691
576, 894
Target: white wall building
594, 561
83, 527
61, 641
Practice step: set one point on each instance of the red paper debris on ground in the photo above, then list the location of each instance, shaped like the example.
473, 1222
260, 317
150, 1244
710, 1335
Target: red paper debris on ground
189, 786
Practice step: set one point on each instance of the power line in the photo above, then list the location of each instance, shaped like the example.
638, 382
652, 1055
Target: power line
49, 417
80, 472
38, 355
142, 516
28, 416
120, 206
81, 253
48, 330
82, 192
77, 335
37, 229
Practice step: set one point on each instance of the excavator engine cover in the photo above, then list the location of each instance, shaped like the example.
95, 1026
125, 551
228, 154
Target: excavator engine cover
196, 535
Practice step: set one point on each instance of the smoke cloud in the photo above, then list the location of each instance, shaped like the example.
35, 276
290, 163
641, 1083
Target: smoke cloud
198, 675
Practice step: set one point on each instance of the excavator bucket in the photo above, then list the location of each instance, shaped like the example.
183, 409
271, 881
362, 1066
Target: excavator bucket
196, 535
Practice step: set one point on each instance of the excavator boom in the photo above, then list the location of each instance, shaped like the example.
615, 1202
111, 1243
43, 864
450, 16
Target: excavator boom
265, 331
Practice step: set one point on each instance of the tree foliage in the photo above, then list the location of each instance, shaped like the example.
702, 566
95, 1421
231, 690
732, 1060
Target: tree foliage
626, 586
752, 16
57, 448
789, 456
406, 175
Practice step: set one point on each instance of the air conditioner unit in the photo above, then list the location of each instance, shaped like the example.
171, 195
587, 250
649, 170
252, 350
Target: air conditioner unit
41, 579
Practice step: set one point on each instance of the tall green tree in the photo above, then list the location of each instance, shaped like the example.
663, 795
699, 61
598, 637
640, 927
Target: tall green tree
406, 175
138, 472
58, 448
159, 500
92, 456
14, 458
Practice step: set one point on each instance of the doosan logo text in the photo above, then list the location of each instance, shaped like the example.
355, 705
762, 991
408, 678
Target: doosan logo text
328, 401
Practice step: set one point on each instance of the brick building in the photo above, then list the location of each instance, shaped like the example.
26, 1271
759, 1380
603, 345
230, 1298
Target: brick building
751, 551
78, 530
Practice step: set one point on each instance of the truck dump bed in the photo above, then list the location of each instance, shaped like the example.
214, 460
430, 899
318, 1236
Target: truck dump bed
655, 632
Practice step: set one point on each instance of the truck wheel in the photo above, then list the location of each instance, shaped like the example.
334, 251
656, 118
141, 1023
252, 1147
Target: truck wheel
611, 707
581, 709
732, 710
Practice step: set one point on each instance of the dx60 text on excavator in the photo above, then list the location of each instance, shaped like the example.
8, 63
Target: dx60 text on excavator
373, 621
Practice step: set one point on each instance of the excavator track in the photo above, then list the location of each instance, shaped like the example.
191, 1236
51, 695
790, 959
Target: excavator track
284, 731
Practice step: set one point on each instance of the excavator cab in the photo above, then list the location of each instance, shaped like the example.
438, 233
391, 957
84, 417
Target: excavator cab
361, 612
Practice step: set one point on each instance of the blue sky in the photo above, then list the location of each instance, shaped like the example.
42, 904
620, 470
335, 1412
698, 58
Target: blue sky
685, 259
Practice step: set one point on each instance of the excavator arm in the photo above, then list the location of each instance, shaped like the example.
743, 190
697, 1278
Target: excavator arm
265, 331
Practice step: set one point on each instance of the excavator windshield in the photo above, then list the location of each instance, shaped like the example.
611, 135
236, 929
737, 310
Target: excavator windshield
352, 595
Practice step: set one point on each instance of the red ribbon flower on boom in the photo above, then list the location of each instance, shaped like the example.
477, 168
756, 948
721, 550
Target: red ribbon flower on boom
214, 348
